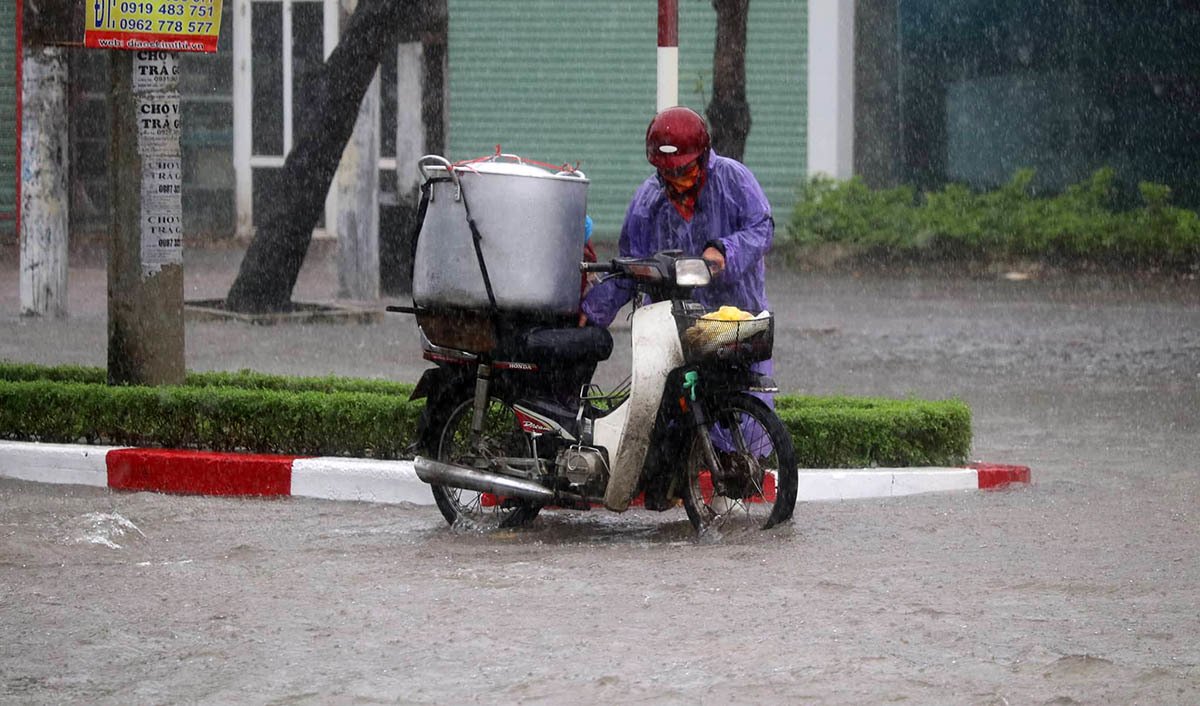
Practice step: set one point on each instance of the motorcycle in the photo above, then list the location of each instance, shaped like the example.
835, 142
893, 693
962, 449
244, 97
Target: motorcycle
514, 424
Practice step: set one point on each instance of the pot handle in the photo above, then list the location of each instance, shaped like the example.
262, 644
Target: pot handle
440, 161
572, 173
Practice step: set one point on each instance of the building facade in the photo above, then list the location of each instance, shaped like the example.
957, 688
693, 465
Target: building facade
575, 82
970, 91
920, 92
553, 81
9, 144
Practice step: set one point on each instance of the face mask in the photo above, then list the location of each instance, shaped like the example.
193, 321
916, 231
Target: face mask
683, 178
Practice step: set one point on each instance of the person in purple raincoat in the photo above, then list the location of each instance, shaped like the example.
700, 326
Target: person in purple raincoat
703, 204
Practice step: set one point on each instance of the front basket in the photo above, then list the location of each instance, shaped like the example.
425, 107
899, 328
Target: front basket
747, 341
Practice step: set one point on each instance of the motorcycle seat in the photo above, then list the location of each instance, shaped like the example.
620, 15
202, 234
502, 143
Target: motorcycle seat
562, 345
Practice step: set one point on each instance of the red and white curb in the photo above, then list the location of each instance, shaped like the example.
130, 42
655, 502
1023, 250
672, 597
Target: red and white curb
208, 473
852, 484
330, 478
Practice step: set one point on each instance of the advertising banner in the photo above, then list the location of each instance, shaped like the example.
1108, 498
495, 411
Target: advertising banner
162, 25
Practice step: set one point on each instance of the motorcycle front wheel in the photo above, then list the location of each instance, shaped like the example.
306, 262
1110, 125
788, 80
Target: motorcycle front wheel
448, 439
754, 478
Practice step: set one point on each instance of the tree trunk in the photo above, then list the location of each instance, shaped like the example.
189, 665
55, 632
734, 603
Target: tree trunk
272, 262
728, 112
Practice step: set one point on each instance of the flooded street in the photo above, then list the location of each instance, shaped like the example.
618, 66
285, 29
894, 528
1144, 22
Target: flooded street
1081, 588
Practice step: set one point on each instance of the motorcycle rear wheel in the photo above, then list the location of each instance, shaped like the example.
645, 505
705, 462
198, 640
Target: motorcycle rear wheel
755, 483
449, 440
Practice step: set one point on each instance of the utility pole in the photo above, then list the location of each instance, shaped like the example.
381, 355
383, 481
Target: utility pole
410, 147
668, 55
44, 206
356, 190
145, 249
145, 168
420, 130
43, 33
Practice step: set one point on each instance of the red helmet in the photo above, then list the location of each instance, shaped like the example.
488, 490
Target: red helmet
676, 136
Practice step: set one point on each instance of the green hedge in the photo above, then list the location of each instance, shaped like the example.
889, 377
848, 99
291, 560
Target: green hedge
1082, 225
844, 432
212, 418
345, 417
17, 372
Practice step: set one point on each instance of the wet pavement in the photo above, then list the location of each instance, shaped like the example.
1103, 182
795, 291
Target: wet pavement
1082, 588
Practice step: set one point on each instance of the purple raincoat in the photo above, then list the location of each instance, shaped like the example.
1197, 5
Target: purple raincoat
731, 210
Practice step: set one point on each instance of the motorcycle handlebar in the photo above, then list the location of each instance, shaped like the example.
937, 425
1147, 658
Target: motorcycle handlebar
601, 267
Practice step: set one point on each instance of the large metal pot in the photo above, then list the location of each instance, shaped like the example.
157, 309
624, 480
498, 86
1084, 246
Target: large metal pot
531, 226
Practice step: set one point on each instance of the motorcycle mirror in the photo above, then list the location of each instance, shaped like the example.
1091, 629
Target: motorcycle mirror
692, 272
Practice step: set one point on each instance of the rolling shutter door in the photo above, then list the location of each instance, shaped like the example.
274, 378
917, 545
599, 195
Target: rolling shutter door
575, 82
8, 115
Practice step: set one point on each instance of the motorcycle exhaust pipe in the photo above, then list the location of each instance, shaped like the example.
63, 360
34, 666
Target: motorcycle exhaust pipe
455, 476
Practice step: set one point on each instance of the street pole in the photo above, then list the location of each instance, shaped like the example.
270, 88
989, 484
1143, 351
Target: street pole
145, 253
43, 205
355, 195
410, 146
356, 186
668, 54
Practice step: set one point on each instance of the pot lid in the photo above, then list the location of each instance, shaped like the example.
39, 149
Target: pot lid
515, 168
505, 164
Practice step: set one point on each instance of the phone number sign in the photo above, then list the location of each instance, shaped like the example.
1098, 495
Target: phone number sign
160, 25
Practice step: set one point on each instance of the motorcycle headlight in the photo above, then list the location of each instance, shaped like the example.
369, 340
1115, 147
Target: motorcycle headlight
692, 272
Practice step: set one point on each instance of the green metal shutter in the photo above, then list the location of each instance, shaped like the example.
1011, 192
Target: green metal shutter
575, 81
776, 88
8, 116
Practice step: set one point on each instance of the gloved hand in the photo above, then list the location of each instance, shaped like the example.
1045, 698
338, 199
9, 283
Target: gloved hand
715, 260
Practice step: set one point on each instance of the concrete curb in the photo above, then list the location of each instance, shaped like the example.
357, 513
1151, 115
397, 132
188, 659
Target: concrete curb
365, 480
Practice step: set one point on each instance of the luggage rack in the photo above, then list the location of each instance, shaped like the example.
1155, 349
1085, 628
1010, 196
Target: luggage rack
610, 400
466, 330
